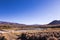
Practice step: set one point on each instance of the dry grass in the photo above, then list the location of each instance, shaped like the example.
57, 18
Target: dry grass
12, 34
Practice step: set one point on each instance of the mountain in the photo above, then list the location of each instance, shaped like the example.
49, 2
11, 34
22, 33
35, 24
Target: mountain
55, 22
10, 24
3, 22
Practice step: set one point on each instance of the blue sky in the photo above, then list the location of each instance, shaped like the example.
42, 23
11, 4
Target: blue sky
29, 11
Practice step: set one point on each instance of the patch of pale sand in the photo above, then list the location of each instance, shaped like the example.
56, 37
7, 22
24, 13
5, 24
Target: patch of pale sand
9, 36
6, 36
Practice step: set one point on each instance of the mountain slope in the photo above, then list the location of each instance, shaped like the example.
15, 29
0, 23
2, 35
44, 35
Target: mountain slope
55, 22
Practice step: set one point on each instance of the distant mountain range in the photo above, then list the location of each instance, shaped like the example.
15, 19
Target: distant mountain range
55, 23
10, 23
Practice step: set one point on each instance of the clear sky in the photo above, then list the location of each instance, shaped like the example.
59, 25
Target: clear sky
29, 11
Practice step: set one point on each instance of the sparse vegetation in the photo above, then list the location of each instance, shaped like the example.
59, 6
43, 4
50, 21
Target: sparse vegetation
30, 32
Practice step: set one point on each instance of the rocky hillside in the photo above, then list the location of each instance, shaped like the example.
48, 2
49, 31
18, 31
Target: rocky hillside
55, 22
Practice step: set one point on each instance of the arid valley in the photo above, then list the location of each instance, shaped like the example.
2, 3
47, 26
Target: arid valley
14, 31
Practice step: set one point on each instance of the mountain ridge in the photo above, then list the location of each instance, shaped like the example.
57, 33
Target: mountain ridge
55, 23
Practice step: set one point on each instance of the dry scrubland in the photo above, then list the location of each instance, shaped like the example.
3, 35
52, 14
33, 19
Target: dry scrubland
15, 31
13, 34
